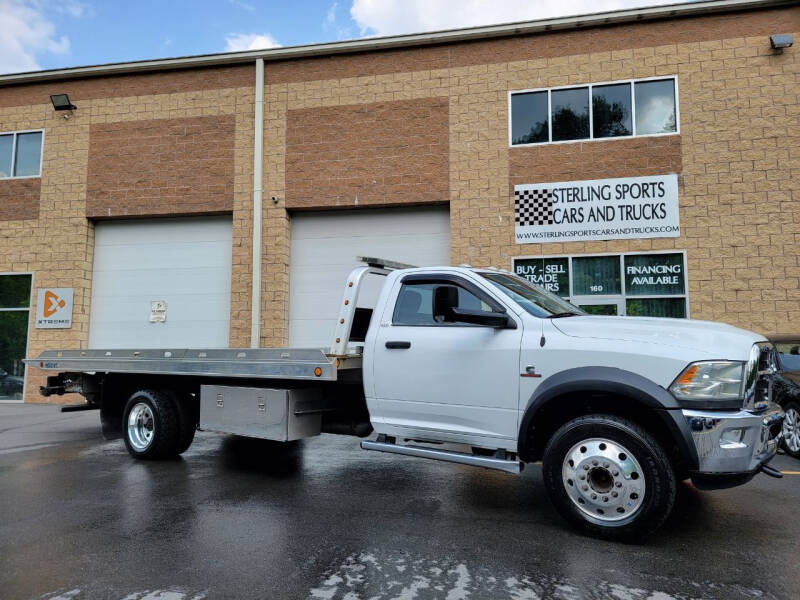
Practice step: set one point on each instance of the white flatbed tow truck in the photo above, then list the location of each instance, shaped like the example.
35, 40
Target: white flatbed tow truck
618, 409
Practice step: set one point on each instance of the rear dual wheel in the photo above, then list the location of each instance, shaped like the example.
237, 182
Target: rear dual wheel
155, 425
609, 477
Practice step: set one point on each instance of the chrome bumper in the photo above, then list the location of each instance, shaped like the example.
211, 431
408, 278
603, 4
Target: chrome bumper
734, 442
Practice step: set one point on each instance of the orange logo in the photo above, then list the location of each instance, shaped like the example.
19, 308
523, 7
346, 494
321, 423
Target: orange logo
51, 304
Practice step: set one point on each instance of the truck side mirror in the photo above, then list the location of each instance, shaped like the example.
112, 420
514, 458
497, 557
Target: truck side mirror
445, 299
497, 320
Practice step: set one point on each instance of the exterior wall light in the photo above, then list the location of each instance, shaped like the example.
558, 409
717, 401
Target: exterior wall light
780, 41
61, 102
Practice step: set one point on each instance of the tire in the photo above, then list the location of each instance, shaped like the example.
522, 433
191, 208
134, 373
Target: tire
150, 425
791, 429
188, 416
620, 484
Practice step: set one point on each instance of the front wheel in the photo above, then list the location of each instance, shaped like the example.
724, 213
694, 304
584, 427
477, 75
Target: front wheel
609, 477
150, 425
791, 429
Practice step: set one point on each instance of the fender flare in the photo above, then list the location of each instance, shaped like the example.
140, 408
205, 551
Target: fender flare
612, 380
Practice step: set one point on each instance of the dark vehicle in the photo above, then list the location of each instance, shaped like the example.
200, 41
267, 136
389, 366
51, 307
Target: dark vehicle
10, 386
786, 389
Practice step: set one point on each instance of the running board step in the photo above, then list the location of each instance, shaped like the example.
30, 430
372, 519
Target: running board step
509, 466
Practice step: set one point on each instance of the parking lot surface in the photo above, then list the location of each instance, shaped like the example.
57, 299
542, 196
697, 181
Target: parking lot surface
238, 518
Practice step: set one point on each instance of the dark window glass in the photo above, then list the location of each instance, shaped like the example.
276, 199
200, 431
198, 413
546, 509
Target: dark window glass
550, 273
570, 114
529, 118
611, 110
656, 307
13, 340
29, 154
596, 276
414, 304
15, 291
6, 147
599, 309
654, 275
655, 107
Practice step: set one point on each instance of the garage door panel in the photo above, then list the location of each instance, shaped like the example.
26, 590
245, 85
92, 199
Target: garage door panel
161, 337
167, 281
185, 262
179, 308
403, 248
120, 233
130, 256
324, 248
359, 223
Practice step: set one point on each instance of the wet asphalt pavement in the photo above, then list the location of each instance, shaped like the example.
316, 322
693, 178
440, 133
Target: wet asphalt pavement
235, 518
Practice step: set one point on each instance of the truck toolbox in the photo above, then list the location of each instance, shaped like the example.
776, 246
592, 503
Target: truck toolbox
270, 414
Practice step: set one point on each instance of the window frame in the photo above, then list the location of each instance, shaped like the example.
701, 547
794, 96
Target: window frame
14, 135
590, 86
445, 279
623, 291
28, 310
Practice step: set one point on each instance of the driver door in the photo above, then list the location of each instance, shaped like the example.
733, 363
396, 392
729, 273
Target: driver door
456, 379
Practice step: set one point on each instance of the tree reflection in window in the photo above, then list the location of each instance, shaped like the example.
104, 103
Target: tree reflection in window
570, 114
529, 118
611, 110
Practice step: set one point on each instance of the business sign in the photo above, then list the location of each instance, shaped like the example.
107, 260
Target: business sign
654, 274
550, 273
54, 308
597, 209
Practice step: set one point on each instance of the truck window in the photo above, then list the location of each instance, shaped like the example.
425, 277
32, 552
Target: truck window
414, 304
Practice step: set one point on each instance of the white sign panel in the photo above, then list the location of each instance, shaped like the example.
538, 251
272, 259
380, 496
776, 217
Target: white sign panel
597, 209
158, 311
54, 308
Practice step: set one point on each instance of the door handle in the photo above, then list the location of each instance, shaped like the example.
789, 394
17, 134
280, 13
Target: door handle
398, 345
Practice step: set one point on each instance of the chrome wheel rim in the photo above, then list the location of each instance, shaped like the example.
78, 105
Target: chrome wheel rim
140, 426
603, 480
791, 429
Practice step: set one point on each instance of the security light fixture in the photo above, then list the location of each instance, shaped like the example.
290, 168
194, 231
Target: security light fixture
61, 102
780, 41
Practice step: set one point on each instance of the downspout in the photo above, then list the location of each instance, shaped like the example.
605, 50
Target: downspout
258, 173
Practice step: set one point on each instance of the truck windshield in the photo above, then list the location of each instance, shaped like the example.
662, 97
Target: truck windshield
535, 300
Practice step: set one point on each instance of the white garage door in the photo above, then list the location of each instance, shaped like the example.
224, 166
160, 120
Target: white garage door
324, 250
183, 262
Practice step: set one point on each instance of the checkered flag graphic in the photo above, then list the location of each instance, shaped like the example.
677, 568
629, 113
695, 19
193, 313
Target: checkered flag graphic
533, 207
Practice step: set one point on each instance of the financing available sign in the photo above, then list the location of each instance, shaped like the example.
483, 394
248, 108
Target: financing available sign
597, 209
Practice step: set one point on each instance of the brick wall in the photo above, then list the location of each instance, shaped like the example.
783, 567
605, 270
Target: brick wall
375, 154
735, 157
57, 244
158, 167
738, 156
19, 198
121, 86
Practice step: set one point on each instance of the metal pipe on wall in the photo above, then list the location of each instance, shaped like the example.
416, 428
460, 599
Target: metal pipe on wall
258, 173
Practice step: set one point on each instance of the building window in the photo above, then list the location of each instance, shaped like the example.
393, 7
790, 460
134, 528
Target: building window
595, 111
15, 301
21, 154
649, 284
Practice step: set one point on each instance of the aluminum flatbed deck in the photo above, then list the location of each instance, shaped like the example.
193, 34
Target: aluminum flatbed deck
268, 363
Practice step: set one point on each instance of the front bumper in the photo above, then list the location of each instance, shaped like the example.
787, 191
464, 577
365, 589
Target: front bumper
732, 446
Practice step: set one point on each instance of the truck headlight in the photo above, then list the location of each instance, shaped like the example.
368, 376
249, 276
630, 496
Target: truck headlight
710, 381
